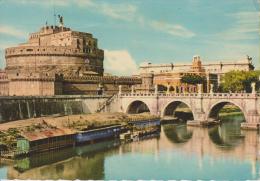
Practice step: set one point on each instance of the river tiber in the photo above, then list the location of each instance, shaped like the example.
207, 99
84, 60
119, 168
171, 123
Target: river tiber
63, 117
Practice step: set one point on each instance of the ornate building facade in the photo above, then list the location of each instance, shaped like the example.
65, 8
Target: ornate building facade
218, 67
57, 60
169, 75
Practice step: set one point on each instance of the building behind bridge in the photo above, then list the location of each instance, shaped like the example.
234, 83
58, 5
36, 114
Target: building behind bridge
57, 60
169, 75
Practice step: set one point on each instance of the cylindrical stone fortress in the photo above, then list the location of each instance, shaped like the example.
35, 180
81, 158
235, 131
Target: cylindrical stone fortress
56, 49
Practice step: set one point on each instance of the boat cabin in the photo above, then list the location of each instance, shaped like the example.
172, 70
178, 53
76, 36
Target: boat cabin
44, 140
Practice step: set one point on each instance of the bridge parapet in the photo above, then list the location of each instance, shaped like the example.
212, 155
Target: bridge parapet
186, 95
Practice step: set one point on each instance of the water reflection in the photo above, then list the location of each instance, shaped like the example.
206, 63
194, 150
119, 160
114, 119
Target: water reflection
177, 133
179, 152
79, 162
228, 133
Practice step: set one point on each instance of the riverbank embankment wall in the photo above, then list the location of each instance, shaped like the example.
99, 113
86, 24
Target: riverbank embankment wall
24, 107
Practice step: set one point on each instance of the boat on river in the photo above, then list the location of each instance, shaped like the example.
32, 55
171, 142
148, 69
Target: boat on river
92, 135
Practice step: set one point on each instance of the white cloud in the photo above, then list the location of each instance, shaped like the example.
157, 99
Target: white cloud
12, 31
121, 11
237, 51
85, 3
231, 51
119, 62
234, 42
4, 46
128, 12
116, 11
43, 2
173, 29
244, 27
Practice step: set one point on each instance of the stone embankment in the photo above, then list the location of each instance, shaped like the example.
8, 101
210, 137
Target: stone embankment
14, 108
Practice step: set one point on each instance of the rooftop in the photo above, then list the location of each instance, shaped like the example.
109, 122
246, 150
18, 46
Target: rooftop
246, 60
42, 134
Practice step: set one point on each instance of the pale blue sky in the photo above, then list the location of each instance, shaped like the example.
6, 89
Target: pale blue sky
135, 31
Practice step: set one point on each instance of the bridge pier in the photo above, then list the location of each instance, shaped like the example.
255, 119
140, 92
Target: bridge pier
252, 121
199, 116
252, 117
198, 112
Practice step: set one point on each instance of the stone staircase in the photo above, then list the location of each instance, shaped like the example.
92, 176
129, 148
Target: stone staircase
102, 107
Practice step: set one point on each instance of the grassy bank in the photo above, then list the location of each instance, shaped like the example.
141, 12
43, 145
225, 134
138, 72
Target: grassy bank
229, 109
226, 110
9, 132
230, 114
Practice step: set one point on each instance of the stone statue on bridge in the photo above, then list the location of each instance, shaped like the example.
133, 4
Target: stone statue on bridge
253, 87
60, 20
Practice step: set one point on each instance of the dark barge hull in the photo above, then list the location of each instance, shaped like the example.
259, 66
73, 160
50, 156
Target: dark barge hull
97, 135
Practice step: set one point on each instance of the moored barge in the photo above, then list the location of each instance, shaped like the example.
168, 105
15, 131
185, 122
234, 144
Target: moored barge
105, 132
32, 142
145, 125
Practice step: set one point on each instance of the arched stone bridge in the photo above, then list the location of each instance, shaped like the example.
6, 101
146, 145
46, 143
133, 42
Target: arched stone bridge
202, 105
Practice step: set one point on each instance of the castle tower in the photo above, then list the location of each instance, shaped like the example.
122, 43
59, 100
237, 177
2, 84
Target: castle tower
58, 50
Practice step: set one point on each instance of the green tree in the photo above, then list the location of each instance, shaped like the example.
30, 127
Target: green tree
193, 79
237, 81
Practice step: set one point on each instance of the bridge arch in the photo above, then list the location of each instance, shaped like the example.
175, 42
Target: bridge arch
217, 106
137, 106
171, 107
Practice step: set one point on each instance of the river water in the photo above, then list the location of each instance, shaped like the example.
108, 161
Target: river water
179, 152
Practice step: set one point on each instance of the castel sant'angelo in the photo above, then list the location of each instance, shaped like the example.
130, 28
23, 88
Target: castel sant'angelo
57, 60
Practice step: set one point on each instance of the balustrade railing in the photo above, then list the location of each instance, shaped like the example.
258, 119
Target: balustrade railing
210, 95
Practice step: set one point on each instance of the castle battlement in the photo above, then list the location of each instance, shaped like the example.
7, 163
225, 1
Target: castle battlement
54, 51
103, 79
33, 79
